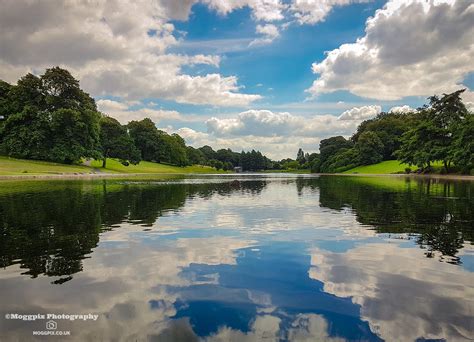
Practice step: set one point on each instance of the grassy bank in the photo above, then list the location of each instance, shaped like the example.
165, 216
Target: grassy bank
382, 168
390, 167
149, 167
12, 166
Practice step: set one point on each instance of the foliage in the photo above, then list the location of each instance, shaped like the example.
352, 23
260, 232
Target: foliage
439, 135
329, 150
438, 132
116, 142
49, 118
389, 127
369, 148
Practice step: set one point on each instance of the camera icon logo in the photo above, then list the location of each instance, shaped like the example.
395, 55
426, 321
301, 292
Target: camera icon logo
51, 325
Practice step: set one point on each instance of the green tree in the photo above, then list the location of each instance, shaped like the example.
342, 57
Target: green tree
208, 152
389, 127
344, 159
27, 135
328, 148
195, 156
432, 139
370, 148
115, 142
61, 90
75, 134
300, 157
463, 147
146, 138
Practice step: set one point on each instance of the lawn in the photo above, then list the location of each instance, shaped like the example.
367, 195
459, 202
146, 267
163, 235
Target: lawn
12, 166
390, 166
385, 167
149, 167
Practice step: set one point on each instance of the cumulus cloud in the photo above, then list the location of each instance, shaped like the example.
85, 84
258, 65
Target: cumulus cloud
263, 10
313, 11
370, 276
276, 134
116, 48
401, 109
410, 48
124, 114
361, 113
269, 33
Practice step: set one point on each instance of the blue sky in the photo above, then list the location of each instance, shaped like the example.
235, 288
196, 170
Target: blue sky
273, 75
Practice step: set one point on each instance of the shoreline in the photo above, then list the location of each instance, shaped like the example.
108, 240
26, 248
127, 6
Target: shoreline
73, 176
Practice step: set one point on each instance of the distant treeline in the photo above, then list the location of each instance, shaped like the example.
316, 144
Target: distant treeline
51, 118
442, 131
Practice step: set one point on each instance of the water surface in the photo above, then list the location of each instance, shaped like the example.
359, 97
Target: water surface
242, 258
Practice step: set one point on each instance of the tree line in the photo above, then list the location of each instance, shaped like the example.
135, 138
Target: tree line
441, 131
49, 117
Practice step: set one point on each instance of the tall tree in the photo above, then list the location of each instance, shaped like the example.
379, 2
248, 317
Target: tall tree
146, 138
300, 157
432, 138
370, 148
75, 134
116, 142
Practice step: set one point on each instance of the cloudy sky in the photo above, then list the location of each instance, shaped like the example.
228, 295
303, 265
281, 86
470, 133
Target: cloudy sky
273, 75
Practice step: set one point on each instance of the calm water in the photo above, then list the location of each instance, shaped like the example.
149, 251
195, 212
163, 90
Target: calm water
270, 258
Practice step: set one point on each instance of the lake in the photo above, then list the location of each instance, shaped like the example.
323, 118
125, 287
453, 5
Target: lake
270, 257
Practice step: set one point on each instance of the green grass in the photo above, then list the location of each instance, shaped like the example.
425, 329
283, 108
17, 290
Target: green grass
12, 166
382, 168
390, 167
149, 167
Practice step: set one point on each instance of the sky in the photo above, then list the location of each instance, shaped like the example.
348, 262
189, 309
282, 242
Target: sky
270, 75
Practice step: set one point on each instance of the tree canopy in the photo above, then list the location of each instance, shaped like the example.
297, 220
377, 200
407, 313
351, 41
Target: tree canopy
49, 117
441, 131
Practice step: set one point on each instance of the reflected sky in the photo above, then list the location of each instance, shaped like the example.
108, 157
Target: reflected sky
272, 258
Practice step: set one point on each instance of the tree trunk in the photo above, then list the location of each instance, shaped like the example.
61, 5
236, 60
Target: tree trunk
446, 166
104, 162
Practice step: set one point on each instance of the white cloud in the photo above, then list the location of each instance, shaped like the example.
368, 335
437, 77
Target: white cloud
122, 112
371, 276
313, 11
114, 47
262, 10
468, 99
361, 113
269, 33
267, 123
278, 135
410, 48
401, 109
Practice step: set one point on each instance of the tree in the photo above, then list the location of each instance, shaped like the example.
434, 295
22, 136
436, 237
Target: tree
195, 156
146, 138
75, 134
208, 152
49, 118
370, 148
432, 139
27, 135
463, 147
300, 157
344, 159
330, 147
116, 142
61, 90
